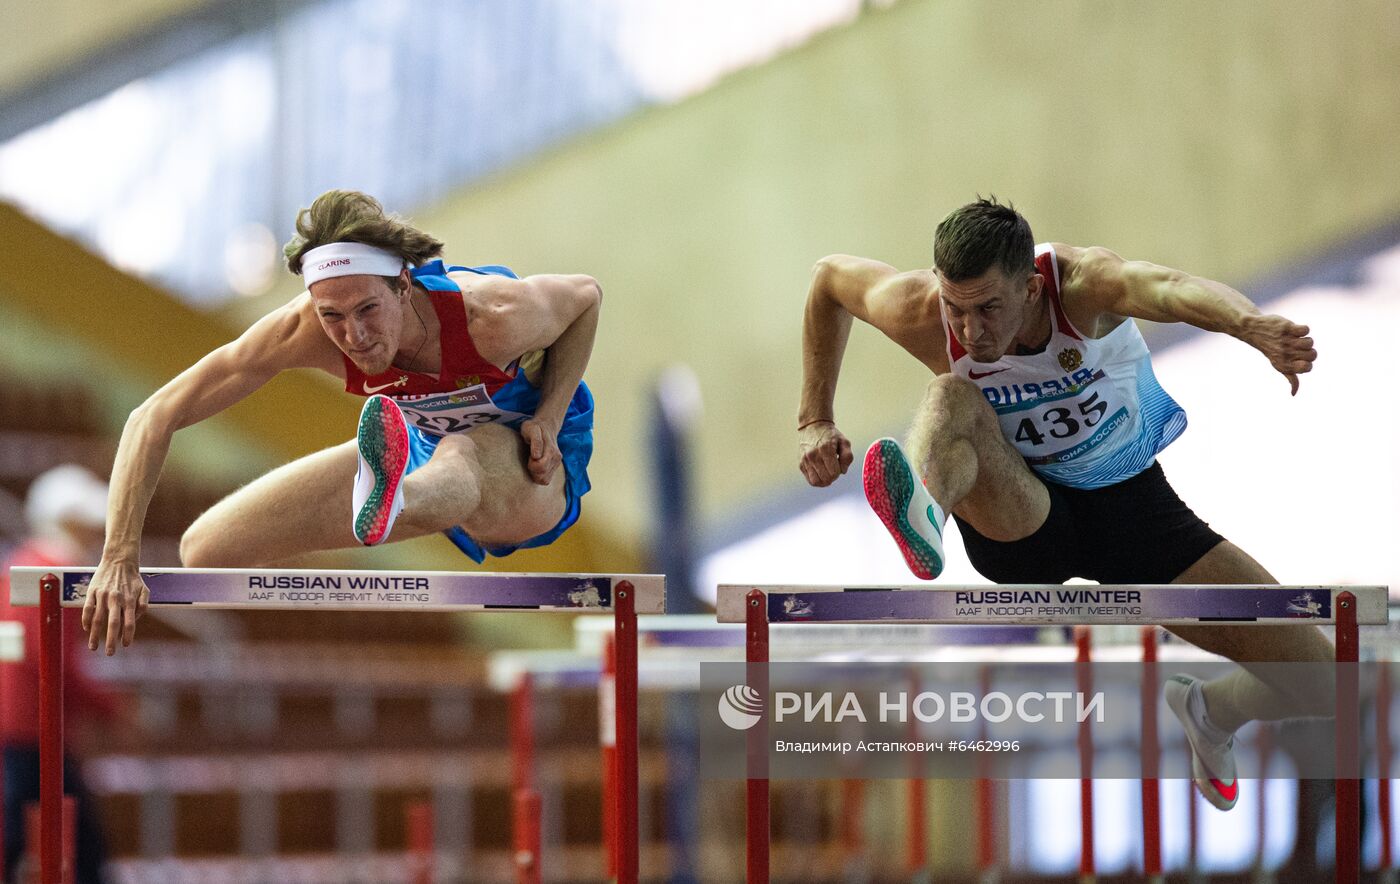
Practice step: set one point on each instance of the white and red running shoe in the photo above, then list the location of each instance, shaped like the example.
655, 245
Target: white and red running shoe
902, 502
383, 451
1212, 756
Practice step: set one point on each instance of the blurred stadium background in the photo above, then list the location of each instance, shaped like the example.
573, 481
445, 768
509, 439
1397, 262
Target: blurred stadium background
696, 158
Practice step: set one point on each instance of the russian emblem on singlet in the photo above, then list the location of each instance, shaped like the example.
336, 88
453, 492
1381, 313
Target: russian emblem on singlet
1070, 359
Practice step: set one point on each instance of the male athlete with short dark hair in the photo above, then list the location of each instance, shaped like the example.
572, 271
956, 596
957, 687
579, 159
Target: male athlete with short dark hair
1039, 434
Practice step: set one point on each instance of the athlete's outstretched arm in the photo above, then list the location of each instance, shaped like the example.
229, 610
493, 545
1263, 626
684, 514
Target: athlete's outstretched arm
116, 595
552, 312
844, 286
1161, 294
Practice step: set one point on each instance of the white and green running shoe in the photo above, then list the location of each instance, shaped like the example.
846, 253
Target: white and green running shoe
905, 506
383, 451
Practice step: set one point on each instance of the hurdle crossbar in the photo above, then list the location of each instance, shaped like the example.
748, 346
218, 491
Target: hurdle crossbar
622, 595
1088, 605
1346, 607
329, 590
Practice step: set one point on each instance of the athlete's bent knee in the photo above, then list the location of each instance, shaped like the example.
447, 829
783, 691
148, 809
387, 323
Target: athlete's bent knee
955, 385
960, 401
200, 547
954, 393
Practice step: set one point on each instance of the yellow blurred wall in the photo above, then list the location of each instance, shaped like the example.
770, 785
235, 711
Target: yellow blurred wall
40, 38
1223, 138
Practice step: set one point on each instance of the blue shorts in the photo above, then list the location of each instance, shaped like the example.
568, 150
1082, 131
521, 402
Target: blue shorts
575, 445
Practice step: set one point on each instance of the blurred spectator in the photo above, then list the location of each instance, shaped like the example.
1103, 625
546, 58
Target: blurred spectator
66, 509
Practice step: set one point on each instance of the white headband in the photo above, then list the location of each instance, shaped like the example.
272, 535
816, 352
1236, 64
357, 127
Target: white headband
348, 259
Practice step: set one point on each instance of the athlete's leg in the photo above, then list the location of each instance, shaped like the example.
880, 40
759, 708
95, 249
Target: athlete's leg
957, 461
1212, 711
1265, 693
299, 507
477, 481
968, 466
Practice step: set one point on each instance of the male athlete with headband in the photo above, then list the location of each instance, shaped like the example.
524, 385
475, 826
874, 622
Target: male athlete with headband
478, 423
1039, 434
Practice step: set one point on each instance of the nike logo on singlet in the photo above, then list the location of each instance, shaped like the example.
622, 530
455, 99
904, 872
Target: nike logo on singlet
401, 382
978, 375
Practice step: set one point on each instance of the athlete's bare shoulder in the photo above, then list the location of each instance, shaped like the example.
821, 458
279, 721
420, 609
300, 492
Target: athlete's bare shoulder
873, 291
913, 319
912, 298
902, 305
485, 292
1090, 279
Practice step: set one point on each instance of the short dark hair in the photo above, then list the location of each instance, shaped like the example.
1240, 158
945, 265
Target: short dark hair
982, 235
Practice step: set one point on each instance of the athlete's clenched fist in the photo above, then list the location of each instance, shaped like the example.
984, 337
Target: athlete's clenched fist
826, 453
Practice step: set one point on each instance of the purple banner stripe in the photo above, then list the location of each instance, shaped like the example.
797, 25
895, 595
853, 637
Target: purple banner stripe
1051, 603
364, 589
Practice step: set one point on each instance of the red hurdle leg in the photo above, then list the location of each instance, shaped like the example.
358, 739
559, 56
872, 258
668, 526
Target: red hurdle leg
916, 841
526, 833
1151, 761
70, 839
418, 817
522, 734
1348, 767
757, 819
1086, 761
4, 716
33, 835
50, 731
607, 741
525, 821
625, 642
986, 799
986, 829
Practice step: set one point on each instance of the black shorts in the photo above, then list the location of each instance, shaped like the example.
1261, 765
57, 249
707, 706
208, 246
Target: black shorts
1137, 531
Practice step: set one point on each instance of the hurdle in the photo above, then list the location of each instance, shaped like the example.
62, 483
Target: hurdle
11, 651
622, 595
680, 640
1345, 607
591, 669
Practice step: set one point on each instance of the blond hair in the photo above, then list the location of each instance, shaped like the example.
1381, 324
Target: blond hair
352, 216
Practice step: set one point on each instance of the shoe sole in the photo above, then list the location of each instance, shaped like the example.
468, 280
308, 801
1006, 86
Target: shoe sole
383, 444
889, 486
1211, 788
